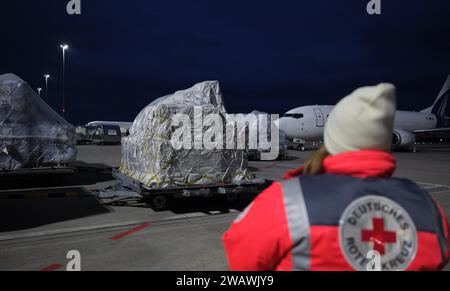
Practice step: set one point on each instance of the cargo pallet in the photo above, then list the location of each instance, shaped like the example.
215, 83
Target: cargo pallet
158, 198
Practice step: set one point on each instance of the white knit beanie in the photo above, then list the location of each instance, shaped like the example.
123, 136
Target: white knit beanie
362, 120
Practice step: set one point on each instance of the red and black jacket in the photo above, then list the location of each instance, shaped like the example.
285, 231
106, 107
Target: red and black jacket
298, 224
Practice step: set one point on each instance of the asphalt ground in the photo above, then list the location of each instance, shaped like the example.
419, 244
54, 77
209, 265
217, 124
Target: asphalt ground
38, 230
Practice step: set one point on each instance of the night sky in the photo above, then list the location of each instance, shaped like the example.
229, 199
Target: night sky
268, 55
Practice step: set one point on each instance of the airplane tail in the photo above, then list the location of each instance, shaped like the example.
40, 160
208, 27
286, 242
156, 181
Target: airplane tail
441, 107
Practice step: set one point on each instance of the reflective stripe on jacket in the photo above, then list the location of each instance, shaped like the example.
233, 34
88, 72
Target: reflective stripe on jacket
299, 224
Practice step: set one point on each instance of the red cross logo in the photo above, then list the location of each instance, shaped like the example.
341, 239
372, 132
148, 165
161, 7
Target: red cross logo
378, 236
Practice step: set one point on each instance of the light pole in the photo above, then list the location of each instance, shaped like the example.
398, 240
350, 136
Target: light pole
46, 76
64, 47
39, 91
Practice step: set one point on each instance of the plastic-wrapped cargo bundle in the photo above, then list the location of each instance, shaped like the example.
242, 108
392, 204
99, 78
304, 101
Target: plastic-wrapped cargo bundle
32, 135
149, 157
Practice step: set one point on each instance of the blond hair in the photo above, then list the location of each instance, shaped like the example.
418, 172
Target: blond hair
314, 165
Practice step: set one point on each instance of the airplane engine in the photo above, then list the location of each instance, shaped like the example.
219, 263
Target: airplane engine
403, 139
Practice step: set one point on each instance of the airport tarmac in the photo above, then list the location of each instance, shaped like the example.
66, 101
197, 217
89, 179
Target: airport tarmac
37, 233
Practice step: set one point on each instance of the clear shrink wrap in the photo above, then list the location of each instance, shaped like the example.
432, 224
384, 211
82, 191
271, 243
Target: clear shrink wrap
148, 154
32, 134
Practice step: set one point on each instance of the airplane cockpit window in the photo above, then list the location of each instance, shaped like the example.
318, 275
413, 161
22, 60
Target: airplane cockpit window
295, 115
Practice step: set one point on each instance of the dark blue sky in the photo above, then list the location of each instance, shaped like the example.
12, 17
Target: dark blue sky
268, 55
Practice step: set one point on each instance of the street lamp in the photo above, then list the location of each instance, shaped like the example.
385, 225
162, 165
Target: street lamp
46, 76
39, 91
64, 47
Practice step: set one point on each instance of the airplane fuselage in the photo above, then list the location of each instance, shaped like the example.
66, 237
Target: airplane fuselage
307, 123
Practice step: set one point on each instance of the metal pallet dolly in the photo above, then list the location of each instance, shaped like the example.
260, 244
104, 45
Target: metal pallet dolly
158, 198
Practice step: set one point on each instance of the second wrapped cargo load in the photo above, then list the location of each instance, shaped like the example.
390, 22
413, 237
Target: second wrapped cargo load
148, 155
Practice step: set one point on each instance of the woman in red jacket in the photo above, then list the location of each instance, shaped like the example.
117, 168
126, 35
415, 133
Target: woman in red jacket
342, 210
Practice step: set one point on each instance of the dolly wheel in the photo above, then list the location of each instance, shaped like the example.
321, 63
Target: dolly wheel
159, 202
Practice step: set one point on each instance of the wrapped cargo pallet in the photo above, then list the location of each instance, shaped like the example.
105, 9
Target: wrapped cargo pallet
32, 135
148, 155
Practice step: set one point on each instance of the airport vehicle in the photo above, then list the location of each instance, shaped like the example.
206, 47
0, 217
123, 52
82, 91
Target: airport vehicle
124, 126
255, 154
301, 145
100, 134
159, 198
105, 134
307, 123
84, 134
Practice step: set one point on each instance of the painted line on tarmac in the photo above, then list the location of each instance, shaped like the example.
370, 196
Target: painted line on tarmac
431, 184
434, 188
124, 234
69, 230
178, 217
39, 193
52, 267
130, 232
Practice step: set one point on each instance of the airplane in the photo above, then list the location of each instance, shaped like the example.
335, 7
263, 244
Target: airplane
307, 123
